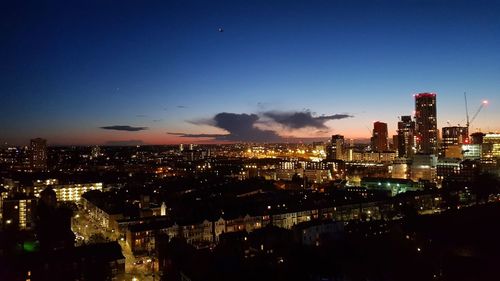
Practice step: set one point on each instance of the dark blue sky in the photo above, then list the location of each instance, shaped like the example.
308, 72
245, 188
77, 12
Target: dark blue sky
66, 70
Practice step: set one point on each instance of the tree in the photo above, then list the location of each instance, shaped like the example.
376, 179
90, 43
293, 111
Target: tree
97, 238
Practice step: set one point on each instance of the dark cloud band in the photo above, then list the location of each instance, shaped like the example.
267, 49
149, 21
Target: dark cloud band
302, 119
124, 128
241, 127
184, 135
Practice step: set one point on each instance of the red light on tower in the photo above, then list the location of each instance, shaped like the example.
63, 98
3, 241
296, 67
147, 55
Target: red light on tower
424, 95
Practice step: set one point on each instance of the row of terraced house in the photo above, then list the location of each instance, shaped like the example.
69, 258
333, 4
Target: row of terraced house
140, 233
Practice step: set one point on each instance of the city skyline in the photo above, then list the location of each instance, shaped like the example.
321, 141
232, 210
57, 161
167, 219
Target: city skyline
165, 74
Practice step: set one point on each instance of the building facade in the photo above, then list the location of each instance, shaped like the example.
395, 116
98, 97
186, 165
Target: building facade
426, 123
335, 150
406, 137
69, 192
38, 154
379, 137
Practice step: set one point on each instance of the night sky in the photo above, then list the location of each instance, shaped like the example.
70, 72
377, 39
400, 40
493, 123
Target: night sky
160, 72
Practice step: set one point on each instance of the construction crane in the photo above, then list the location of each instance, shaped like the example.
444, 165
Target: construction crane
468, 122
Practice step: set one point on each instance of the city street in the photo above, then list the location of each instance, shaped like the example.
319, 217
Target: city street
86, 229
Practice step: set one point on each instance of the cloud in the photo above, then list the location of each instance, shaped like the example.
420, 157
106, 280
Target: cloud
334, 117
302, 119
240, 127
124, 128
125, 142
244, 127
181, 106
185, 135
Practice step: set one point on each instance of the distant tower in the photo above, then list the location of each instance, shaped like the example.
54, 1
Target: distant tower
379, 137
426, 123
406, 137
38, 154
163, 209
181, 147
335, 150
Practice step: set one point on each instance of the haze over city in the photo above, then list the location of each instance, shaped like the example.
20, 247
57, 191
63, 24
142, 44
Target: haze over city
100, 72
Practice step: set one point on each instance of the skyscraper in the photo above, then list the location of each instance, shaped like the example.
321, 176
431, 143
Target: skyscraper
38, 154
406, 137
335, 150
379, 137
426, 123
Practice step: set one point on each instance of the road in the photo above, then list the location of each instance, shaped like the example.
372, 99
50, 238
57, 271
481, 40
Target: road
136, 268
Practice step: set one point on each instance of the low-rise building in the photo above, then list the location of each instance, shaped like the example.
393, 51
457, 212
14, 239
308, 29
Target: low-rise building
309, 233
68, 192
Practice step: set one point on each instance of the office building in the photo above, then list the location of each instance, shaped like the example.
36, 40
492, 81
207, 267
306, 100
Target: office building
406, 137
335, 150
426, 123
472, 151
379, 137
452, 140
492, 142
455, 135
423, 167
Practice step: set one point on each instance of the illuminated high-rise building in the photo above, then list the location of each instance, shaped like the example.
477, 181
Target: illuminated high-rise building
406, 137
379, 137
335, 150
38, 154
426, 123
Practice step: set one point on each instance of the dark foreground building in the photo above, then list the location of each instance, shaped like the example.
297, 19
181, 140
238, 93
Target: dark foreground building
103, 261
